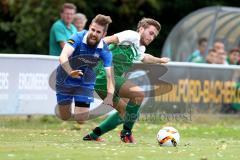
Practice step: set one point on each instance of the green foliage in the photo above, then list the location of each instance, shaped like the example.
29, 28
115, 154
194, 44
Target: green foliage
30, 23
26, 30
25, 25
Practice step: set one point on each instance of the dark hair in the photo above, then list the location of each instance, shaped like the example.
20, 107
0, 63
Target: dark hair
218, 41
234, 50
201, 40
212, 50
68, 6
146, 22
102, 20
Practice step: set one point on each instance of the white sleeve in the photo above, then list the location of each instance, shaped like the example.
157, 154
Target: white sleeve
133, 37
128, 36
141, 52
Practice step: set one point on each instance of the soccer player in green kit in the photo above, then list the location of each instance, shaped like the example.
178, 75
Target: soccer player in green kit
127, 47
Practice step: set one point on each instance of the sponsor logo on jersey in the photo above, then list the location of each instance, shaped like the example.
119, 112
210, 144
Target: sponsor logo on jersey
71, 41
96, 55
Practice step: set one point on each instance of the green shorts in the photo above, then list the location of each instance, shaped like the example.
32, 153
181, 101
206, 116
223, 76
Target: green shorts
101, 87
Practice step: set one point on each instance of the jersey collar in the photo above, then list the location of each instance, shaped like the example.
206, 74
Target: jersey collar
100, 44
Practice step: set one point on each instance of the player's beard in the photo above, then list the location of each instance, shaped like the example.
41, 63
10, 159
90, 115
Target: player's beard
92, 41
143, 42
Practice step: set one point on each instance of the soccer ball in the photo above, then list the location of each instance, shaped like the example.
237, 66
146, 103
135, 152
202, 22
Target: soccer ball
168, 136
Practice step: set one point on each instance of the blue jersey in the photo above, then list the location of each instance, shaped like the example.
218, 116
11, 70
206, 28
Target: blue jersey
84, 58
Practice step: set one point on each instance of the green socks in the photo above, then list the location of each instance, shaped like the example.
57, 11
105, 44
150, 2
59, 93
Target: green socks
111, 122
131, 115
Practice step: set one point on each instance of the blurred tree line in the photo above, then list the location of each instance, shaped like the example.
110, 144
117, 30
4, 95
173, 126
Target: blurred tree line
25, 24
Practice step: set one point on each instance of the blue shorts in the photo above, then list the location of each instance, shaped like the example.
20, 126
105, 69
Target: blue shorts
64, 99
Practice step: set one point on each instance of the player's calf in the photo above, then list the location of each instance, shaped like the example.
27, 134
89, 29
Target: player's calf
81, 112
63, 112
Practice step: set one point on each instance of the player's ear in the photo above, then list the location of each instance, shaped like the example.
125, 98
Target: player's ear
104, 34
89, 26
141, 29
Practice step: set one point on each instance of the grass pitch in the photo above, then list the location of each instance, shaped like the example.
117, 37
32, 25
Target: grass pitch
205, 137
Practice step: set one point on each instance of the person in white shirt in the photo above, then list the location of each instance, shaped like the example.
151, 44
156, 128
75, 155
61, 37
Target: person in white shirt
127, 47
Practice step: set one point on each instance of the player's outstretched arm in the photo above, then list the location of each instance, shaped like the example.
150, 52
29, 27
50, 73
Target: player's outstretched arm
151, 59
63, 59
110, 86
111, 39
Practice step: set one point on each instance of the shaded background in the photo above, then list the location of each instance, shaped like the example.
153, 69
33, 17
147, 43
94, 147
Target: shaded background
25, 25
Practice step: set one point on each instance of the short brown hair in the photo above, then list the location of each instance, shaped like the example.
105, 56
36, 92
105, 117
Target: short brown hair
146, 22
212, 50
234, 50
80, 16
68, 6
102, 20
202, 40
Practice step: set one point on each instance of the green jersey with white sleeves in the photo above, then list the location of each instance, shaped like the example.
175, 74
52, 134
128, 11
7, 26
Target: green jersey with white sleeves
125, 53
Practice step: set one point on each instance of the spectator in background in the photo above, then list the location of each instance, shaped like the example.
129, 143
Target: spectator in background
233, 56
219, 46
198, 55
62, 29
211, 57
79, 21
238, 63
221, 56
216, 57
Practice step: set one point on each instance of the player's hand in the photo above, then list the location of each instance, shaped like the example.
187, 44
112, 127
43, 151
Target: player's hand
164, 60
76, 73
108, 100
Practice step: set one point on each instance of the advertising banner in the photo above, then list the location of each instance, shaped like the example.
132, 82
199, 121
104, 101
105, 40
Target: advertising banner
172, 88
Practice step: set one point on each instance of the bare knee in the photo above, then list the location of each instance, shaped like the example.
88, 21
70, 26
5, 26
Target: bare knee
63, 112
138, 99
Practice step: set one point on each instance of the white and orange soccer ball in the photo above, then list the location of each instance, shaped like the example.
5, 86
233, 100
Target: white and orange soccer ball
168, 136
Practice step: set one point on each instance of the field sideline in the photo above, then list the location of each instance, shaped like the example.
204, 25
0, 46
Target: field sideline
205, 137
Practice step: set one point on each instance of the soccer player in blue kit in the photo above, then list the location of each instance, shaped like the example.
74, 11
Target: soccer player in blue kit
75, 77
